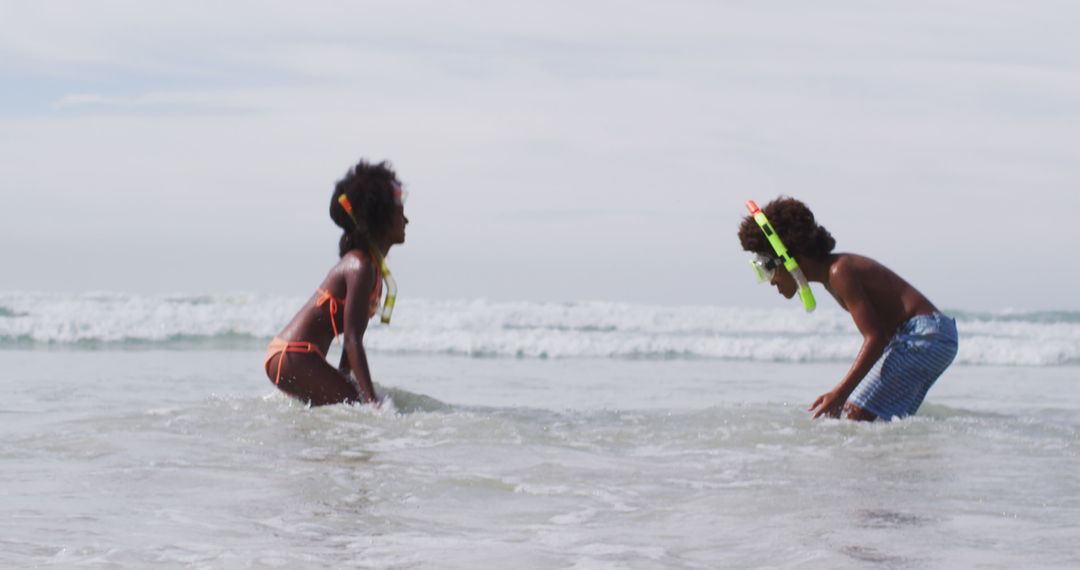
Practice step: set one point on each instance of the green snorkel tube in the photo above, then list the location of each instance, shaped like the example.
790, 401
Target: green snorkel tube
790, 264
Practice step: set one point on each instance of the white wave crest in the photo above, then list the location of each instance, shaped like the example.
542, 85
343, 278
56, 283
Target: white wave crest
520, 329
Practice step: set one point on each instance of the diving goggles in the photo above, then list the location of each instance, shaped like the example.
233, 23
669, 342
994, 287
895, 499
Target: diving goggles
765, 266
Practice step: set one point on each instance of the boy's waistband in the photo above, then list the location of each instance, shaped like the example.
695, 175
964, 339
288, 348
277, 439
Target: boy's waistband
932, 323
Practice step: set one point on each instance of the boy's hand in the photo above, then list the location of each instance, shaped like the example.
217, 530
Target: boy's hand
829, 404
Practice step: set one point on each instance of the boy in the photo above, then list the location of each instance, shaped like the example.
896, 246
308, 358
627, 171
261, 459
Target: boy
914, 341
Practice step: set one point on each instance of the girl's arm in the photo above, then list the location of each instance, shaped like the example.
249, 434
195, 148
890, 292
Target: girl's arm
360, 280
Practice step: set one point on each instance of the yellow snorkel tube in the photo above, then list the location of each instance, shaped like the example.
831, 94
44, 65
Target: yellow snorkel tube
790, 264
391, 286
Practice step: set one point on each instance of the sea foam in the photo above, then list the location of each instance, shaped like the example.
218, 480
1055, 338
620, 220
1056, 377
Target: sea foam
518, 329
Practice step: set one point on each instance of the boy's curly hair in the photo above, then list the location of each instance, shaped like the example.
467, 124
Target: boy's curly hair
795, 224
370, 190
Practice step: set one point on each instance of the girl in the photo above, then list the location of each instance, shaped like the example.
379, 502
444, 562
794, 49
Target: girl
368, 206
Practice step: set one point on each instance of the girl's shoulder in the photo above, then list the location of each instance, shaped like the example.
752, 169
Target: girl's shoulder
355, 256
355, 264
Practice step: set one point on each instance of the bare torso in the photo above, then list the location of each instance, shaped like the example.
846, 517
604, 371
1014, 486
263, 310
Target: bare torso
313, 322
894, 300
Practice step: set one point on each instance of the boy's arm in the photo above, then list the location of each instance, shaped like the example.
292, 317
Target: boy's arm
849, 288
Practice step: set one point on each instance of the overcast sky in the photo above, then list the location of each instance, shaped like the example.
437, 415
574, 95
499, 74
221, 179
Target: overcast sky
553, 150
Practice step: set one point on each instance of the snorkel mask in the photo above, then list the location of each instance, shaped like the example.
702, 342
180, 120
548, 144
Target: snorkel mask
400, 194
766, 266
391, 286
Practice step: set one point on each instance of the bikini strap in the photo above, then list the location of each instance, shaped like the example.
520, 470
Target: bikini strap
324, 298
278, 347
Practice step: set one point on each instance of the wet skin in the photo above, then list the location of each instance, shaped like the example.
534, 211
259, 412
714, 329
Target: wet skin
353, 279
878, 300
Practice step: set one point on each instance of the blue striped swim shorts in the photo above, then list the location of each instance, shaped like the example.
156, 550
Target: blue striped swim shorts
917, 354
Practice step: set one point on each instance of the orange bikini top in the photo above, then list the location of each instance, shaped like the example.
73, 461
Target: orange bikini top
333, 303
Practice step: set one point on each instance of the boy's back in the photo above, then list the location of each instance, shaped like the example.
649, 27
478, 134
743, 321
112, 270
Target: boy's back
891, 297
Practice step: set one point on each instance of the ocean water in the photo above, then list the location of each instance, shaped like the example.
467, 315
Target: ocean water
141, 432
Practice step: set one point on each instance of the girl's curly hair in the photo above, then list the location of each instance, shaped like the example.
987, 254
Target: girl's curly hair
370, 190
795, 224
